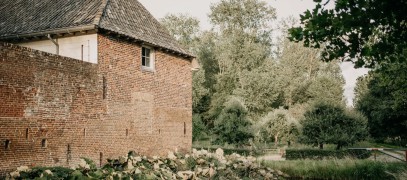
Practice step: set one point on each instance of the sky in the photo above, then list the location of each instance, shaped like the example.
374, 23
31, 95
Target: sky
284, 8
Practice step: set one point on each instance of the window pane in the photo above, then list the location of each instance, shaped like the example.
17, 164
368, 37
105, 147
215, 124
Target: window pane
147, 62
143, 61
147, 52
143, 51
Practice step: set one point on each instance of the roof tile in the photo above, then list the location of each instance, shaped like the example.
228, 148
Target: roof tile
126, 17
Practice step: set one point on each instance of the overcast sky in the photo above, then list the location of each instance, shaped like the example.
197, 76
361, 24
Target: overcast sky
284, 8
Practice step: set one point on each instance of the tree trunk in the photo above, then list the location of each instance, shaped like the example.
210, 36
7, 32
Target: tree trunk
338, 146
276, 140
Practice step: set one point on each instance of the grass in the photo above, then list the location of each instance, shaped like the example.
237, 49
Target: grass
370, 144
340, 169
331, 168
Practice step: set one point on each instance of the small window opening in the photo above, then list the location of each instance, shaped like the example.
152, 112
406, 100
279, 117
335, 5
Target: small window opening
127, 132
185, 128
44, 143
104, 87
7, 144
68, 154
26, 133
84, 132
101, 159
159, 131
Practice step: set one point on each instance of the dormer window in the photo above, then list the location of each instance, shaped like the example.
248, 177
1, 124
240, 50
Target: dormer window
147, 58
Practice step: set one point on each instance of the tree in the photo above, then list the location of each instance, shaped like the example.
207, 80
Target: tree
332, 124
232, 126
278, 125
187, 32
361, 88
198, 127
198, 90
261, 89
184, 28
385, 102
367, 33
242, 45
305, 78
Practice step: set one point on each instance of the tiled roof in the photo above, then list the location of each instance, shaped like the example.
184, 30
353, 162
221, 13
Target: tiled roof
126, 17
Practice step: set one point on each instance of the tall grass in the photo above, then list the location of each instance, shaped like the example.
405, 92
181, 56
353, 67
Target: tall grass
340, 169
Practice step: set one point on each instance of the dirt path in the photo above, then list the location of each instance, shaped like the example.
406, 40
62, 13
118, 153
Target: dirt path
271, 157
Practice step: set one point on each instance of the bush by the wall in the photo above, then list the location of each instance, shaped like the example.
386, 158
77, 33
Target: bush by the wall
293, 154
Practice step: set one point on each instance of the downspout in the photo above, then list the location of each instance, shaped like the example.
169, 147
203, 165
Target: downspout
55, 42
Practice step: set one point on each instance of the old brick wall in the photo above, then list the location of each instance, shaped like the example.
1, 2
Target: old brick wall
76, 109
45, 100
154, 109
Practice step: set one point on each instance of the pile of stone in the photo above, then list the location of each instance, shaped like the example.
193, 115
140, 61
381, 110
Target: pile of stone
200, 164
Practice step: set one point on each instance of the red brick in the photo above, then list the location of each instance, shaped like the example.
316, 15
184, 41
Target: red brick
61, 100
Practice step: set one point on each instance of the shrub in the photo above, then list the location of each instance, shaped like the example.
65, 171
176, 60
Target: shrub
330, 123
232, 126
276, 126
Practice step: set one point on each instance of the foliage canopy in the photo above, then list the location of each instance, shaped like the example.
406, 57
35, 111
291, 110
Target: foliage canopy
232, 126
365, 32
331, 124
384, 101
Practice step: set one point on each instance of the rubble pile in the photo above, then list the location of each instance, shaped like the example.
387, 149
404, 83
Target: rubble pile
200, 164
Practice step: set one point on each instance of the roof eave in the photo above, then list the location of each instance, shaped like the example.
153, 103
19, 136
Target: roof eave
54, 31
87, 28
182, 54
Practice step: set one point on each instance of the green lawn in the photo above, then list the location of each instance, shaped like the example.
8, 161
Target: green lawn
341, 169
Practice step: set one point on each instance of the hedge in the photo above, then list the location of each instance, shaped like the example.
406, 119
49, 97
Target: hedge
317, 154
241, 151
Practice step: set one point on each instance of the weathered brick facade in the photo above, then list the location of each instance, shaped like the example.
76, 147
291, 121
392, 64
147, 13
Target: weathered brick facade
54, 110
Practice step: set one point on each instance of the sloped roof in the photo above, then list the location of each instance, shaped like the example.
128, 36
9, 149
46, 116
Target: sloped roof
19, 18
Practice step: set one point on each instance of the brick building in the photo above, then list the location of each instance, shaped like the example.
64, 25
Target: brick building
89, 78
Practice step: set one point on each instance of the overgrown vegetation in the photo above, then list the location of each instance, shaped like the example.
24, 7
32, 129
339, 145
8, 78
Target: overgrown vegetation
198, 165
341, 169
284, 93
240, 60
369, 34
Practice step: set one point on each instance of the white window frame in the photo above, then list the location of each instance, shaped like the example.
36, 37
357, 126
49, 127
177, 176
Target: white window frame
152, 59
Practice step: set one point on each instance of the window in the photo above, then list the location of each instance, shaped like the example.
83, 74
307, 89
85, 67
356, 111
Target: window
147, 58
44, 143
104, 87
7, 144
